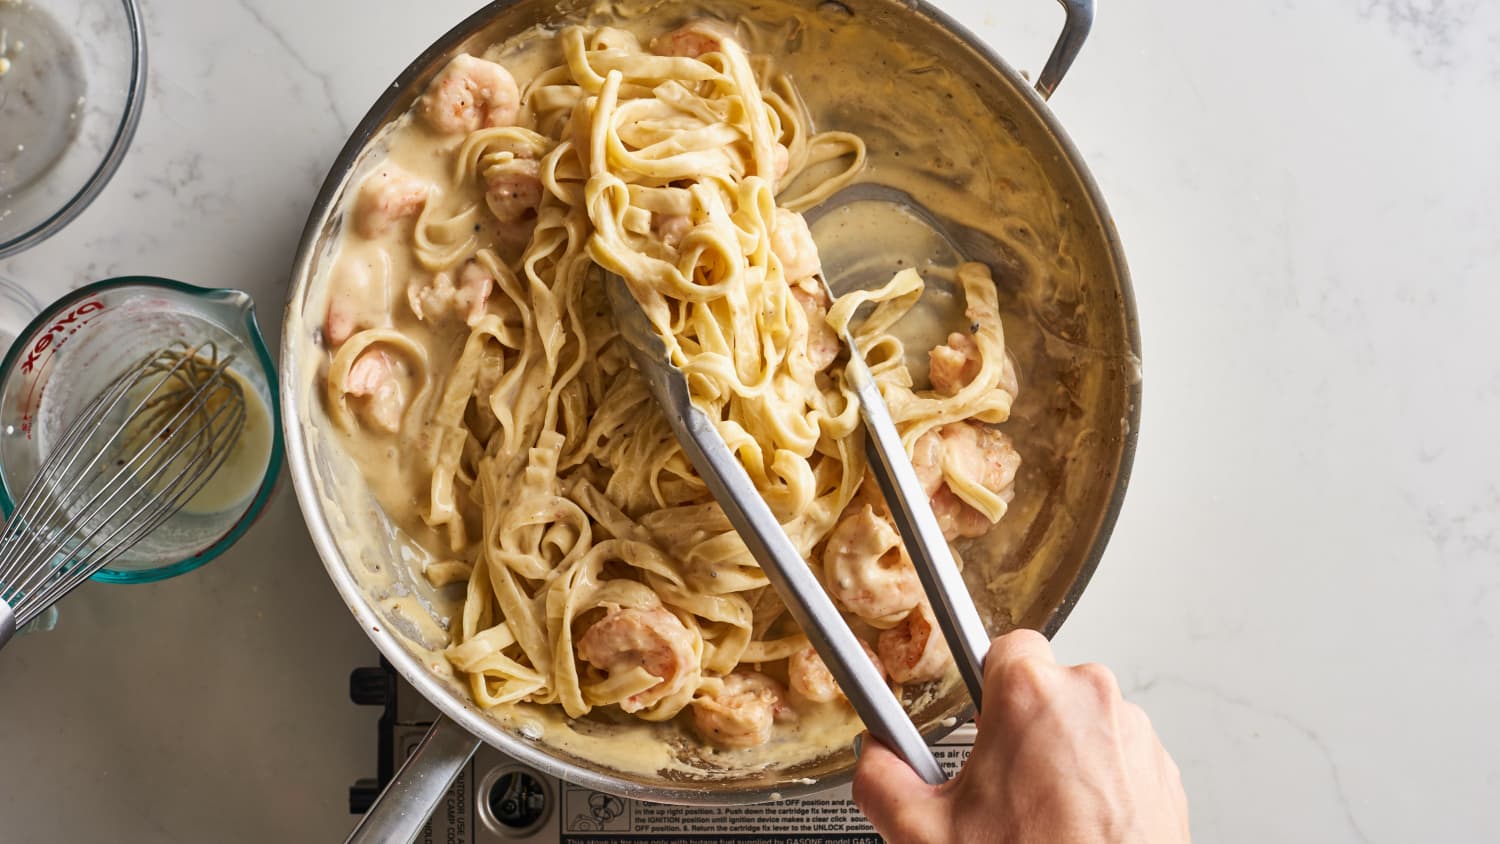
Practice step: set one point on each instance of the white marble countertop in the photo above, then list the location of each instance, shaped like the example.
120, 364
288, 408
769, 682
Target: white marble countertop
1303, 589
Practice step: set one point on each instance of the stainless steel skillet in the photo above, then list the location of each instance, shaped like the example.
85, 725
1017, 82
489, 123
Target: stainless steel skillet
1077, 343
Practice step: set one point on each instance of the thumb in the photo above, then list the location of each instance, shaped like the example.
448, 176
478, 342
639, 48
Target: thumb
897, 801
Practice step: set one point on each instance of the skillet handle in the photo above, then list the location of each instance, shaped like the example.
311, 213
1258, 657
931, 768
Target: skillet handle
403, 808
1080, 19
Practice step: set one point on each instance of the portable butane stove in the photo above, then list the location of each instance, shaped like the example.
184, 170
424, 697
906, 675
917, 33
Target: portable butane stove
497, 799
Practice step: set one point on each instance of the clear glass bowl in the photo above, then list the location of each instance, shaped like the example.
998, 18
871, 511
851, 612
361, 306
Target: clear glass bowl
70, 98
17, 308
76, 345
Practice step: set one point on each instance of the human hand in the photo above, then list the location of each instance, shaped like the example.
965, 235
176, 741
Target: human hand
1059, 757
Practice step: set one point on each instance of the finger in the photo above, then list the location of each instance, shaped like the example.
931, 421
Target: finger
1018, 646
1102, 682
1142, 741
891, 794
1017, 668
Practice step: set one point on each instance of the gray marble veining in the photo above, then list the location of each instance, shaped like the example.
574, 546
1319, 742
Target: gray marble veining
1303, 589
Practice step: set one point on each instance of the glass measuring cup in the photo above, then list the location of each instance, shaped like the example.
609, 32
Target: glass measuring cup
83, 340
17, 308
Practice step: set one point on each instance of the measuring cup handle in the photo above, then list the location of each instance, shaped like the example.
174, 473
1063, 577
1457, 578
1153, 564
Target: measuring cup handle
1080, 19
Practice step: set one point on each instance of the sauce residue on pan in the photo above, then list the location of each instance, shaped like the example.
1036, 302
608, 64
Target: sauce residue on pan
930, 135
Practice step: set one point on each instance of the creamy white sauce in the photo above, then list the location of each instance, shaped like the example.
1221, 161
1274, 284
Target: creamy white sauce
244, 468
929, 134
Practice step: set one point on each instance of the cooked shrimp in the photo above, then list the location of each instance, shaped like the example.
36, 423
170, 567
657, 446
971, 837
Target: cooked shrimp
927, 460
866, 567
693, 39
388, 196
955, 517
374, 379
671, 228
914, 651
474, 287
809, 676
742, 712
512, 189
340, 323
822, 340
792, 243
974, 454
439, 297
953, 365
652, 639
432, 299
781, 161
470, 94
355, 301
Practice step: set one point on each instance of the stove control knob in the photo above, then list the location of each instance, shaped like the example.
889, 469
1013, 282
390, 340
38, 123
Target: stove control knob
370, 686
362, 795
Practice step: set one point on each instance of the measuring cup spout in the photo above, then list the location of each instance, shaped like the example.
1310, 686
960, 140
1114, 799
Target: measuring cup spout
231, 305
235, 308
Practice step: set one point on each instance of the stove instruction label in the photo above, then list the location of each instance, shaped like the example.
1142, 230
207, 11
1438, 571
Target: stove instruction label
592, 817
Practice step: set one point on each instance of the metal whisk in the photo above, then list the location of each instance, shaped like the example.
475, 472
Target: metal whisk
130, 459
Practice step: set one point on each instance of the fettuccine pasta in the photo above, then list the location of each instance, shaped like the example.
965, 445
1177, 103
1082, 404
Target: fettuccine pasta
477, 342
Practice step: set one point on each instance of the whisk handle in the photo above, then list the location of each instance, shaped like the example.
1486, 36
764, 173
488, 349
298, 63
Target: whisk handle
7, 623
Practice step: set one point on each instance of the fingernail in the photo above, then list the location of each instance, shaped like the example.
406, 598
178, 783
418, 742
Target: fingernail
859, 743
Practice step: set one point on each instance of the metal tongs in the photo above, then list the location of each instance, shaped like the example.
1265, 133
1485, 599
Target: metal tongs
785, 566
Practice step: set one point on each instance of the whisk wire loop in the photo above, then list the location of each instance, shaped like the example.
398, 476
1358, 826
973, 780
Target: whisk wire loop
44, 500
87, 422
156, 507
134, 456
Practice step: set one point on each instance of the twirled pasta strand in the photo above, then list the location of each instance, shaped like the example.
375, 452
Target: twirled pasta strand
553, 474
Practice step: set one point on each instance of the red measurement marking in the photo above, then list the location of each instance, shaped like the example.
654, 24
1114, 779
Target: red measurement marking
66, 326
42, 351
